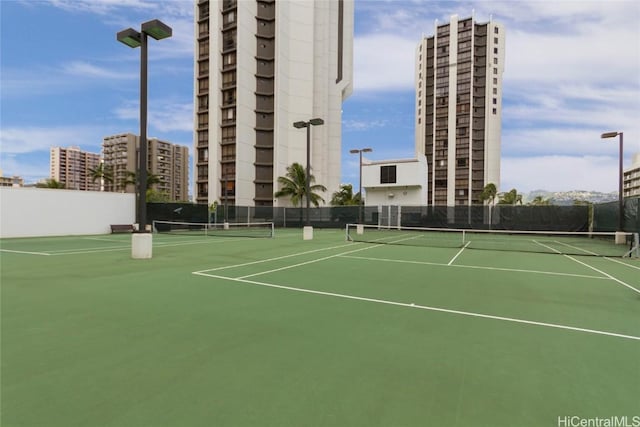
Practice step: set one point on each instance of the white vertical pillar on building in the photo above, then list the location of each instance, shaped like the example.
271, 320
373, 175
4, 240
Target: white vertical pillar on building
451, 131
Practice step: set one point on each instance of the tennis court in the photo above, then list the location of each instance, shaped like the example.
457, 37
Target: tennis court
233, 331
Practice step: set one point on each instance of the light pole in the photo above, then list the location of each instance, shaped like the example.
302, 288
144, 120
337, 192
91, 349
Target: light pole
132, 38
620, 180
308, 124
360, 204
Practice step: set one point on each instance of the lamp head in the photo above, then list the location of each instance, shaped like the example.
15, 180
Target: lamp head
609, 135
130, 37
367, 150
316, 122
157, 29
300, 125
354, 151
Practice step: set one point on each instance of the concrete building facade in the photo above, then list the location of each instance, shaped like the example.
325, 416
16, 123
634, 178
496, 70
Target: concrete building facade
11, 181
71, 166
631, 182
459, 107
260, 66
395, 182
170, 162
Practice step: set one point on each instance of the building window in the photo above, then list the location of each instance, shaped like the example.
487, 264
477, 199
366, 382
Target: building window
495, 101
229, 18
495, 50
228, 152
229, 59
203, 155
495, 40
228, 134
495, 111
203, 85
495, 90
203, 47
495, 60
203, 67
495, 71
495, 81
203, 101
495, 30
388, 174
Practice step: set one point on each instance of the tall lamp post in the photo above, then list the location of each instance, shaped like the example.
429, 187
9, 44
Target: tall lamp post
132, 38
300, 125
620, 180
360, 204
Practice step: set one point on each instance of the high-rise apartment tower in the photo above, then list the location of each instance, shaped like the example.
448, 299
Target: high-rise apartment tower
459, 108
260, 66
71, 166
169, 162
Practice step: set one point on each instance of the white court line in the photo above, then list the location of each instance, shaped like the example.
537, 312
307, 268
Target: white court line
24, 252
515, 270
593, 268
623, 263
273, 259
459, 252
128, 247
424, 307
306, 262
606, 274
300, 253
575, 247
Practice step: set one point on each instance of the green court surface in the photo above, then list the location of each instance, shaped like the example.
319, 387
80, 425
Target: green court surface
217, 331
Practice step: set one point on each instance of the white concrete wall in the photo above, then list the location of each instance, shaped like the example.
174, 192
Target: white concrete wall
493, 127
30, 212
410, 188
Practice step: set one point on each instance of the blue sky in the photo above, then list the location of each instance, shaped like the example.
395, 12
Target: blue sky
572, 72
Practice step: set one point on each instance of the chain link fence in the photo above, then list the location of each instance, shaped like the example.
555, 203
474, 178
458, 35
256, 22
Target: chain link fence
599, 217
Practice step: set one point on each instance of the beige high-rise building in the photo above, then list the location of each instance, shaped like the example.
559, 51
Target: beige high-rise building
260, 66
170, 162
71, 166
459, 108
631, 183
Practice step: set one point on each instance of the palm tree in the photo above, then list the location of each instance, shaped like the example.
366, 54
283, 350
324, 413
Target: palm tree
103, 173
510, 198
132, 178
51, 183
489, 193
345, 196
294, 185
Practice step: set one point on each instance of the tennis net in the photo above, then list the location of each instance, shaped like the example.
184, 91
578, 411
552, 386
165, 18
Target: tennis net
552, 242
249, 229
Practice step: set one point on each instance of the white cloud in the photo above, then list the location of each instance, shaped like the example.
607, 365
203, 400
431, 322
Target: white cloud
101, 7
361, 125
383, 62
562, 141
162, 116
560, 173
30, 169
32, 139
86, 70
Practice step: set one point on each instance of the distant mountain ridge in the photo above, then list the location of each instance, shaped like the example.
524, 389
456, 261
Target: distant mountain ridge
568, 197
